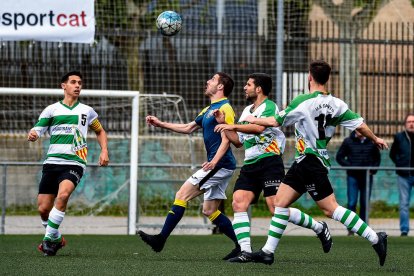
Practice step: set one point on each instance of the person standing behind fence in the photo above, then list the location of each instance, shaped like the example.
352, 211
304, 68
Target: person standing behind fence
67, 122
358, 151
212, 179
402, 154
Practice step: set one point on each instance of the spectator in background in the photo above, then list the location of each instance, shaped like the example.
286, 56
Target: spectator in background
358, 151
402, 155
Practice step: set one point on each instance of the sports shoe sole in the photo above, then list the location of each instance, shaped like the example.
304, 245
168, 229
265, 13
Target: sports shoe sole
40, 246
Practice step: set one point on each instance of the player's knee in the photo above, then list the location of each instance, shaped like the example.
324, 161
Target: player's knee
239, 205
271, 208
328, 212
63, 198
184, 195
43, 210
208, 212
181, 196
281, 202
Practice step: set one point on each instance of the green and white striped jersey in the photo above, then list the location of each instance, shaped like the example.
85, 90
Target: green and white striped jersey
270, 142
315, 117
68, 127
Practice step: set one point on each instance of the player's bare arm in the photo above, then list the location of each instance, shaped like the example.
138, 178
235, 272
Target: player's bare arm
102, 141
267, 122
249, 129
233, 138
153, 121
222, 127
179, 128
220, 116
32, 136
366, 131
225, 144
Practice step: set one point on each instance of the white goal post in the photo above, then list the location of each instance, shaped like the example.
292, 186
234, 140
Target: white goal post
158, 160
134, 96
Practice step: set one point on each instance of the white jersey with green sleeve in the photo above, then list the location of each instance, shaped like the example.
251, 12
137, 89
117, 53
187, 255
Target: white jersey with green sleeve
315, 116
68, 127
270, 142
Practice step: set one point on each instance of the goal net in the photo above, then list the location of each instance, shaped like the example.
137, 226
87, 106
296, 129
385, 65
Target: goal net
166, 160
147, 164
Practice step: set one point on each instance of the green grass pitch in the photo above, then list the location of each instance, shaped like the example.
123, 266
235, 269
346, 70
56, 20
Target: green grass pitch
200, 255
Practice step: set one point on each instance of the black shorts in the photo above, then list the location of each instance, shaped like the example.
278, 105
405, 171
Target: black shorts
309, 175
53, 174
264, 175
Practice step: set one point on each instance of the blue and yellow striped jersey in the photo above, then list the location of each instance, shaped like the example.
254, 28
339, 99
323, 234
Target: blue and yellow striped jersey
212, 140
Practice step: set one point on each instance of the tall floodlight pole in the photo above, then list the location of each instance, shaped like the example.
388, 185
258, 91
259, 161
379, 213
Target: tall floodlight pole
220, 16
279, 52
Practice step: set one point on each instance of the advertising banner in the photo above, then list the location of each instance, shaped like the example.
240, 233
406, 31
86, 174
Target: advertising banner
47, 20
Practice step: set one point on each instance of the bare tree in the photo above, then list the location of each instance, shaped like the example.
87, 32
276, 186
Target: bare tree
351, 17
125, 24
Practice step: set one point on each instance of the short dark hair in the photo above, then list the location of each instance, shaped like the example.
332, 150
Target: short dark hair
66, 76
227, 82
408, 115
320, 71
263, 80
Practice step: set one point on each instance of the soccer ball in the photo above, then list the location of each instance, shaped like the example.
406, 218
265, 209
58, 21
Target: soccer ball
169, 23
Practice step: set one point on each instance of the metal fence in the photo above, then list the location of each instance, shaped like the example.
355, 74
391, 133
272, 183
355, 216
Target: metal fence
13, 193
372, 59
373, 71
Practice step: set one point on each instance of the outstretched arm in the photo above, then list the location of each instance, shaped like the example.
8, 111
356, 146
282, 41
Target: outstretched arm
366, 131
248, 129
267, 122
180, 128
224, 146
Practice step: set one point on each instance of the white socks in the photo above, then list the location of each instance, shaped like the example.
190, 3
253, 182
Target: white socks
241, 226
55, 219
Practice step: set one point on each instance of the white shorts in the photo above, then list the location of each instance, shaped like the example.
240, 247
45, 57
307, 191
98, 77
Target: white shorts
214, 182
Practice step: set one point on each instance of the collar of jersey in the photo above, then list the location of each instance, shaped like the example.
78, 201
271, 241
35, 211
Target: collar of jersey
219, 100
68, 107
321, 93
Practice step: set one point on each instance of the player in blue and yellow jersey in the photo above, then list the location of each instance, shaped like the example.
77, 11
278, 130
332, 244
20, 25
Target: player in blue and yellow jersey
212, 179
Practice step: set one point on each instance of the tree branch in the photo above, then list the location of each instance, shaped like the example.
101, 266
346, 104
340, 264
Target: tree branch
368, 12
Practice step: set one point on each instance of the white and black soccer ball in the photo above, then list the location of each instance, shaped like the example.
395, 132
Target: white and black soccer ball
169, 23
